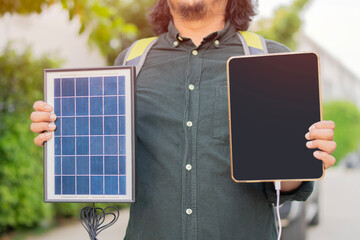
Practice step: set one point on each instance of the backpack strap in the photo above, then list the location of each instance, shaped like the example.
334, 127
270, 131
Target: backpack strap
138, 52
254, 44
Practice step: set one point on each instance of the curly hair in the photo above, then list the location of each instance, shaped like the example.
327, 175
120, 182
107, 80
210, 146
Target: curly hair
238, 12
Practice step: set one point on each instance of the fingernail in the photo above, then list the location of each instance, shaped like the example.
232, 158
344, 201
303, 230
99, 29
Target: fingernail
47, 108
316, 154
51, 126
312, 127
307, 135
309, 144
52, 117
48, 135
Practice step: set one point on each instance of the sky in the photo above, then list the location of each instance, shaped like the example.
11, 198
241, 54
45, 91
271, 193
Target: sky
333, 24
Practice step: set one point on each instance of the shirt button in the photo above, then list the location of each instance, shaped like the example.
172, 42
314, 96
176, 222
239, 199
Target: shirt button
176, 43
191, 87
217, 43
188, 211
188, 167
195, 52
189, 124
180, 38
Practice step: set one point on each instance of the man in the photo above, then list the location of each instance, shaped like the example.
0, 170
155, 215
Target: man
183, 186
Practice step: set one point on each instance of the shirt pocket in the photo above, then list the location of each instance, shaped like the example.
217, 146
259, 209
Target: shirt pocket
221, 115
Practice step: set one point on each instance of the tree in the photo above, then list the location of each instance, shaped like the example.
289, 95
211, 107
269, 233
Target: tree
112, 24
284, 25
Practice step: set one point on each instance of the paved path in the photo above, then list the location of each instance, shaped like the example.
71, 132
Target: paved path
340, 207
340, 213
76, 231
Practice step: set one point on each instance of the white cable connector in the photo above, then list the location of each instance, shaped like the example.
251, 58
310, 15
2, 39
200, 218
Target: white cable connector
278, 188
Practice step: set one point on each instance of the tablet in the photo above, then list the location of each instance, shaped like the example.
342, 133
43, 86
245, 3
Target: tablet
273, 100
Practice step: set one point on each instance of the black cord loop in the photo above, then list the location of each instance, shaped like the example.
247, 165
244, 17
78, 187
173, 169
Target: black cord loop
93, 218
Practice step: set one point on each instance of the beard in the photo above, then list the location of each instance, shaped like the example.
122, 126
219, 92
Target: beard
189, 10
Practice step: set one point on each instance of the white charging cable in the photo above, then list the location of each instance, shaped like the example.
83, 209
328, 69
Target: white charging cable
278, 188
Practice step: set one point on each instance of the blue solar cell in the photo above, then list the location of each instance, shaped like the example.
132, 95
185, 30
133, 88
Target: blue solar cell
57, 106
97, 163
68, 165
111, 185
68, 145
121, 85
57, 146
82, 126
96, 126
57, 165
57, 185
110, 87
68, 86
82, 165
82, 185
122, 105
82, 106
122, 129
68, 126
68, 107
96, 185
82, 88
110, 125
96, 86
122, 144
58, 127
122, 165
82, 145
96, 145
111, 165
96, 106
122, 185
68, 185
110, 105
57, 87
111, 145
87, 144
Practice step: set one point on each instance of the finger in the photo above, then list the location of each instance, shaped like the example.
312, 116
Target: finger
320, 134
327, 159
42, 117
323, 125
41, 138
327, 146
41, 127
42, 106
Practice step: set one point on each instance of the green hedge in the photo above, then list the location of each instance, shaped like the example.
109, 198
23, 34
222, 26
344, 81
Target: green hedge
347, 131
21, 162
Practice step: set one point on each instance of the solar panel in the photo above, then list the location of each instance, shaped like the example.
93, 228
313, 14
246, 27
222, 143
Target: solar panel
91, 156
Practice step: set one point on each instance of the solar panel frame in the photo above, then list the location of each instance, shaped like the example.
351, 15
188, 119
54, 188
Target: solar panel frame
128, 72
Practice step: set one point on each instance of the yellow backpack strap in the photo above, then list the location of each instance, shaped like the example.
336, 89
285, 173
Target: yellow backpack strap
138, 52
254, 44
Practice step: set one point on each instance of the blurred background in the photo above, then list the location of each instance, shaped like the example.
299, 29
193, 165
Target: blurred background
38, 34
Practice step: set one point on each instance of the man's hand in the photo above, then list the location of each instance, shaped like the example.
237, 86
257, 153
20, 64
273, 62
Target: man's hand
321, 136
43, 122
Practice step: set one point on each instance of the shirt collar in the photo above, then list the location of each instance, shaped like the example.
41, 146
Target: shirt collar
222, 35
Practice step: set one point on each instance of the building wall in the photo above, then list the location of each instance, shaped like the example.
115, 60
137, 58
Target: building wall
338, 82
50, 32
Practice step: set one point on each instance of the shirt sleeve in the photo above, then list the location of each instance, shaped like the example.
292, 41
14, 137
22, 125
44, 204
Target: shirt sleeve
306, 188
300, 194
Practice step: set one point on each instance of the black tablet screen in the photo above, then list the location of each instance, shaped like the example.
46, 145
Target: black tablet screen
274, 99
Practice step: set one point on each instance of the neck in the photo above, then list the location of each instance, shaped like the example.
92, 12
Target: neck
197, 29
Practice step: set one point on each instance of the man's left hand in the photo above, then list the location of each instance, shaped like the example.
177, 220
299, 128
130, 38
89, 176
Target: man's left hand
321, 136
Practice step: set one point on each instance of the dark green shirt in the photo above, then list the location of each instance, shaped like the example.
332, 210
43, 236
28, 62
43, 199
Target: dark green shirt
184, 188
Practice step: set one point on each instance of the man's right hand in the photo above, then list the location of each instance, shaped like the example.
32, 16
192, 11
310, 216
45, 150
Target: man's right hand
43, 122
